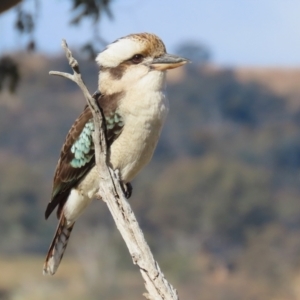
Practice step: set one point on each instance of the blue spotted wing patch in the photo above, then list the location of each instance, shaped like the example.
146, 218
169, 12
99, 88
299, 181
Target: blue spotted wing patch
83, 145
114, 124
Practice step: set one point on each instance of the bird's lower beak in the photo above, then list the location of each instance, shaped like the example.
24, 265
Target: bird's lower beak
168, 61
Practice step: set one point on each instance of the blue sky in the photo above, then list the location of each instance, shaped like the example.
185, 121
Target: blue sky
238, 32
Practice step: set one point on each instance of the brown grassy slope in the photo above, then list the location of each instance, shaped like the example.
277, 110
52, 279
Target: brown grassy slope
282, 81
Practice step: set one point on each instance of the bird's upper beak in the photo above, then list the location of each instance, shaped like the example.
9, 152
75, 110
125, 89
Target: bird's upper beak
168, 61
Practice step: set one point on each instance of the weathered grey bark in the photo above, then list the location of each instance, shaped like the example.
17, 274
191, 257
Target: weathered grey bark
111, 192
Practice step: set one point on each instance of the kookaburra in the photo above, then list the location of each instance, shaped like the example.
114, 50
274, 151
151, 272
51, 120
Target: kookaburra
131, 82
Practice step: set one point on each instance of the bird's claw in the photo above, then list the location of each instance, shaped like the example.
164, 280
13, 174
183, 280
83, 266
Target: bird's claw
127, 189
96, 95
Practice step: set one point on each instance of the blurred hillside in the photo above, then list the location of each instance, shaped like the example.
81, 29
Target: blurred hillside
219, 203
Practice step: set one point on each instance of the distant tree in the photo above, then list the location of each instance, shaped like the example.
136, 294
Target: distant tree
7, 4
26, 23
9, 73
197, 52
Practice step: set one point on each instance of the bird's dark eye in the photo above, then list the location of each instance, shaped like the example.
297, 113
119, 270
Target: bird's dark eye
137, 58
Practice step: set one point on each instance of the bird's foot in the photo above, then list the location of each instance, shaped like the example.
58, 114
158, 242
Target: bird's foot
127, 189
96, 95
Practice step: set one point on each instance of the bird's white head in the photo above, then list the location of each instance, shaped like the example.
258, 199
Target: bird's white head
135, 61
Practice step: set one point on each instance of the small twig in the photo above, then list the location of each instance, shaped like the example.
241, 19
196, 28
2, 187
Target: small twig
111, 192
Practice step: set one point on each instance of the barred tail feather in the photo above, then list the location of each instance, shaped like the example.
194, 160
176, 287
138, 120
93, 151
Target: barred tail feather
57, 247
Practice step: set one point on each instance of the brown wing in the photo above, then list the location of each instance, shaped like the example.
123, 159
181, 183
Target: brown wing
77, 155
67, 174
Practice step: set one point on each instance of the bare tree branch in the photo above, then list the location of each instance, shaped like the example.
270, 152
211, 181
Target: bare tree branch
110, 191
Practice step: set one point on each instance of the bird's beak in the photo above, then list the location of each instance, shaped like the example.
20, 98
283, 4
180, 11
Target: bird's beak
168, 61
